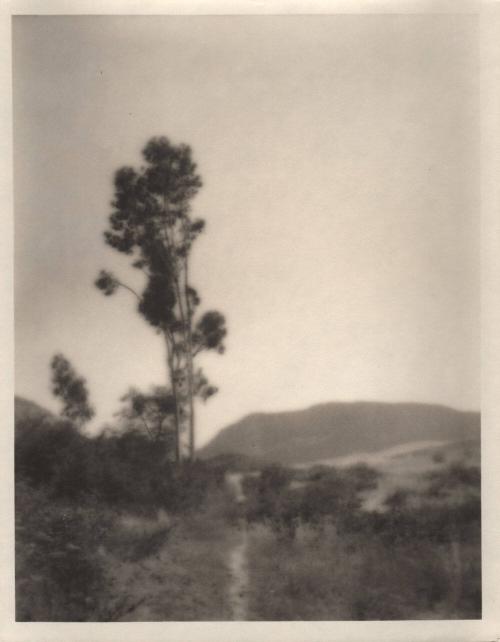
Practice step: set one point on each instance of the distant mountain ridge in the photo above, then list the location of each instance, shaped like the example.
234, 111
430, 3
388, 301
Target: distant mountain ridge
28, 414
24, 409
341, 428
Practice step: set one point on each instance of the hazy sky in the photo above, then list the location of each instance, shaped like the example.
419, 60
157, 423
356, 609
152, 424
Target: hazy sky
340, 163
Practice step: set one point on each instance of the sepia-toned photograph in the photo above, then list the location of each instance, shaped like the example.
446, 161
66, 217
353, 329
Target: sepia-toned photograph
247, 318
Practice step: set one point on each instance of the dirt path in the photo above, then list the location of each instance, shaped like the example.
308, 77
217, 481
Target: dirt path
238, 598
187, 578
238, 562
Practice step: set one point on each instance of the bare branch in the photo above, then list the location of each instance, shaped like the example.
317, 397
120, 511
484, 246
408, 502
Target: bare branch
127, 287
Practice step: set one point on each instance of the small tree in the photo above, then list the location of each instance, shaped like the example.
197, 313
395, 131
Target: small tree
68, 386
151, 412
151, 222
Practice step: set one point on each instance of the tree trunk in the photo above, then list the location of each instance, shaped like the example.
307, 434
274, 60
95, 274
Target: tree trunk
191, 410
171, 371
181, 285
189, 356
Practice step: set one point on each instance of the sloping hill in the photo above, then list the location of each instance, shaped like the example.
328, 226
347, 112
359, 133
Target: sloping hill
26, 409
338, 429
29, 415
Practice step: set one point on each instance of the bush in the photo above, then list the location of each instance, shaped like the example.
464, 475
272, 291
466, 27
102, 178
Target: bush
53, 455
60, 575
332, 496
127, 470
269, 499
456, 481
315, 497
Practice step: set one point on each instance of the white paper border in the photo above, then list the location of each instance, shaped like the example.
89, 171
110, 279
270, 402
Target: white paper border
485, 630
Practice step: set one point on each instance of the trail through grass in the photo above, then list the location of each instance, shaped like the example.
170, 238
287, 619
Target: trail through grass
186, 579
173, 569
238, 565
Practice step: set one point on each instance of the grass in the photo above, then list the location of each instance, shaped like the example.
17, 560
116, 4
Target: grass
314, 554
93, 563
301, 579
185, 579
321, 575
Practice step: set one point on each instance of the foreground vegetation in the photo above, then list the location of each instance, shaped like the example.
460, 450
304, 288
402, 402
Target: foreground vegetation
108, 529
314, 554
105, 527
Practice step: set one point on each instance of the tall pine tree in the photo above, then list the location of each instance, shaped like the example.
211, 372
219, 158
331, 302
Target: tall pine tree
151, 222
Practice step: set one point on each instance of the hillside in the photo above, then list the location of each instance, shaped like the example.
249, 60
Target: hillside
28, 414
340, 429
25, 409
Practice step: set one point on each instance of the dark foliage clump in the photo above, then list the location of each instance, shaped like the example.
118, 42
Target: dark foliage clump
127, 470
53, 456
59, 572
270, 500
71, 389
284, 498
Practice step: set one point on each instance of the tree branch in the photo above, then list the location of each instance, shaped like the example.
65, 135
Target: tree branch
147, 427
127, 287
197, 351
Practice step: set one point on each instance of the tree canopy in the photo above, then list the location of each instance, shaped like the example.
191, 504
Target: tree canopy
68, 386
151, 222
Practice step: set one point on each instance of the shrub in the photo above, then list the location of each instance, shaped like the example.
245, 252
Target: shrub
60, 575
53, 455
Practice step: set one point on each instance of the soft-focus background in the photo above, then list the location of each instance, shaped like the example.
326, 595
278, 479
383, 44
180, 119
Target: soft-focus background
340, 162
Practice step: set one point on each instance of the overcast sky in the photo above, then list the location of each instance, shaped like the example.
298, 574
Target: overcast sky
340, 163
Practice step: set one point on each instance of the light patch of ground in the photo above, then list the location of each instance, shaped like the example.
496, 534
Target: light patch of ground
234, 483
377, 458
238, 566
404, 466
408, 470
238, 555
